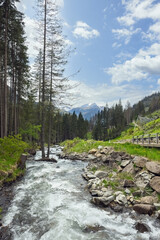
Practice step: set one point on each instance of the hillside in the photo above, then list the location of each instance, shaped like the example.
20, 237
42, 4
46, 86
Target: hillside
149, 124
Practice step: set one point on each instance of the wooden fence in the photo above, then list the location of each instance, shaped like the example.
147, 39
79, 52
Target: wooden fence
147, 139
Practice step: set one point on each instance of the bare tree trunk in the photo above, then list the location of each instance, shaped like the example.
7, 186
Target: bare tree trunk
5, 74
1, 103
50, 107
43, 80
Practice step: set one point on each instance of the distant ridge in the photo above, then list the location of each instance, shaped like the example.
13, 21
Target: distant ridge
87, 110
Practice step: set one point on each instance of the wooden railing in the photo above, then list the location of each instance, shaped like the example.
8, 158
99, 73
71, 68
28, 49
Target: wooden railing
147, 139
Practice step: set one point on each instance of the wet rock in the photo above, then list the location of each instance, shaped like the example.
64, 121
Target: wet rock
32, 152
102, 201
144, 208
5, 233
96, 228
116, 208
128, 183
141, 227
140, 162
101, 174
129, 169
155, 184
22, 161
153, 167
124, 163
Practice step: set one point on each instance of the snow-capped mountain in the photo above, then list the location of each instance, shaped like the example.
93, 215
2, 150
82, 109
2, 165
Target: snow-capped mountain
87, 110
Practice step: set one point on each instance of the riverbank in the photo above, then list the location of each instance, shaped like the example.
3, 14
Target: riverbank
119, 180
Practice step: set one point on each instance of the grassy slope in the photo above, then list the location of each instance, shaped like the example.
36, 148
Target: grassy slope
137, 128
11, 149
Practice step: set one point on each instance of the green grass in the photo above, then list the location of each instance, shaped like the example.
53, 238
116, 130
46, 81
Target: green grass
113, 184
79, 146
11, 149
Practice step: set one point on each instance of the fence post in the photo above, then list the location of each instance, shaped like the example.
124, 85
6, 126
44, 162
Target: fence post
157, 138
149, 139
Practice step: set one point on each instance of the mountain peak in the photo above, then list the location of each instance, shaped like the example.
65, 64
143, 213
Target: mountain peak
87, 110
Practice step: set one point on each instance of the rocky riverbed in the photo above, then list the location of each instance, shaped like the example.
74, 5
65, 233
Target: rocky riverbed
121, 181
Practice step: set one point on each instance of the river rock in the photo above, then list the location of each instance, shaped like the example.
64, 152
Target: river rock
92, 151
102, 201
148, 200
108, 193
22, 161
153, 167
155, 184
128, 183
129, 169
144, 208
96, 228
96, 193
124, 163
104, 151
101, 174
141, 227
140, 161
142, 179
91, 157
32, 152
121, 199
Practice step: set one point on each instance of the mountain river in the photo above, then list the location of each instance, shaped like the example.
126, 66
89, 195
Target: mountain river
52, 203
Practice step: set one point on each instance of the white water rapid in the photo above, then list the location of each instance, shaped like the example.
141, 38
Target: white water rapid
52, 203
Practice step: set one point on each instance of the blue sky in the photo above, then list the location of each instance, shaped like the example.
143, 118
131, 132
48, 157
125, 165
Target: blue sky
117, 48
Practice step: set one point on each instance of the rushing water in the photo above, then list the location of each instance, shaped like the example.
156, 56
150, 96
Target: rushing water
51, 203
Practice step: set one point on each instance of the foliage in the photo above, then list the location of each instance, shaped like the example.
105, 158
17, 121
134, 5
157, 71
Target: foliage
11, 149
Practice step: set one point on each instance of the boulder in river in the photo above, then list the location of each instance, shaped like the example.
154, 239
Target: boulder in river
144, 208
141, 227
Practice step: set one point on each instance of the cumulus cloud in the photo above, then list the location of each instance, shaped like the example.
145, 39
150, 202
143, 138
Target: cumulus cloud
83, 30
139, 9
146, 62
136, 10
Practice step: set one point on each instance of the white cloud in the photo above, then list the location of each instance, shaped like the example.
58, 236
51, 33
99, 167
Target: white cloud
145, 63
158, 81
83, 30
139, 9
125, 33
102, 94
